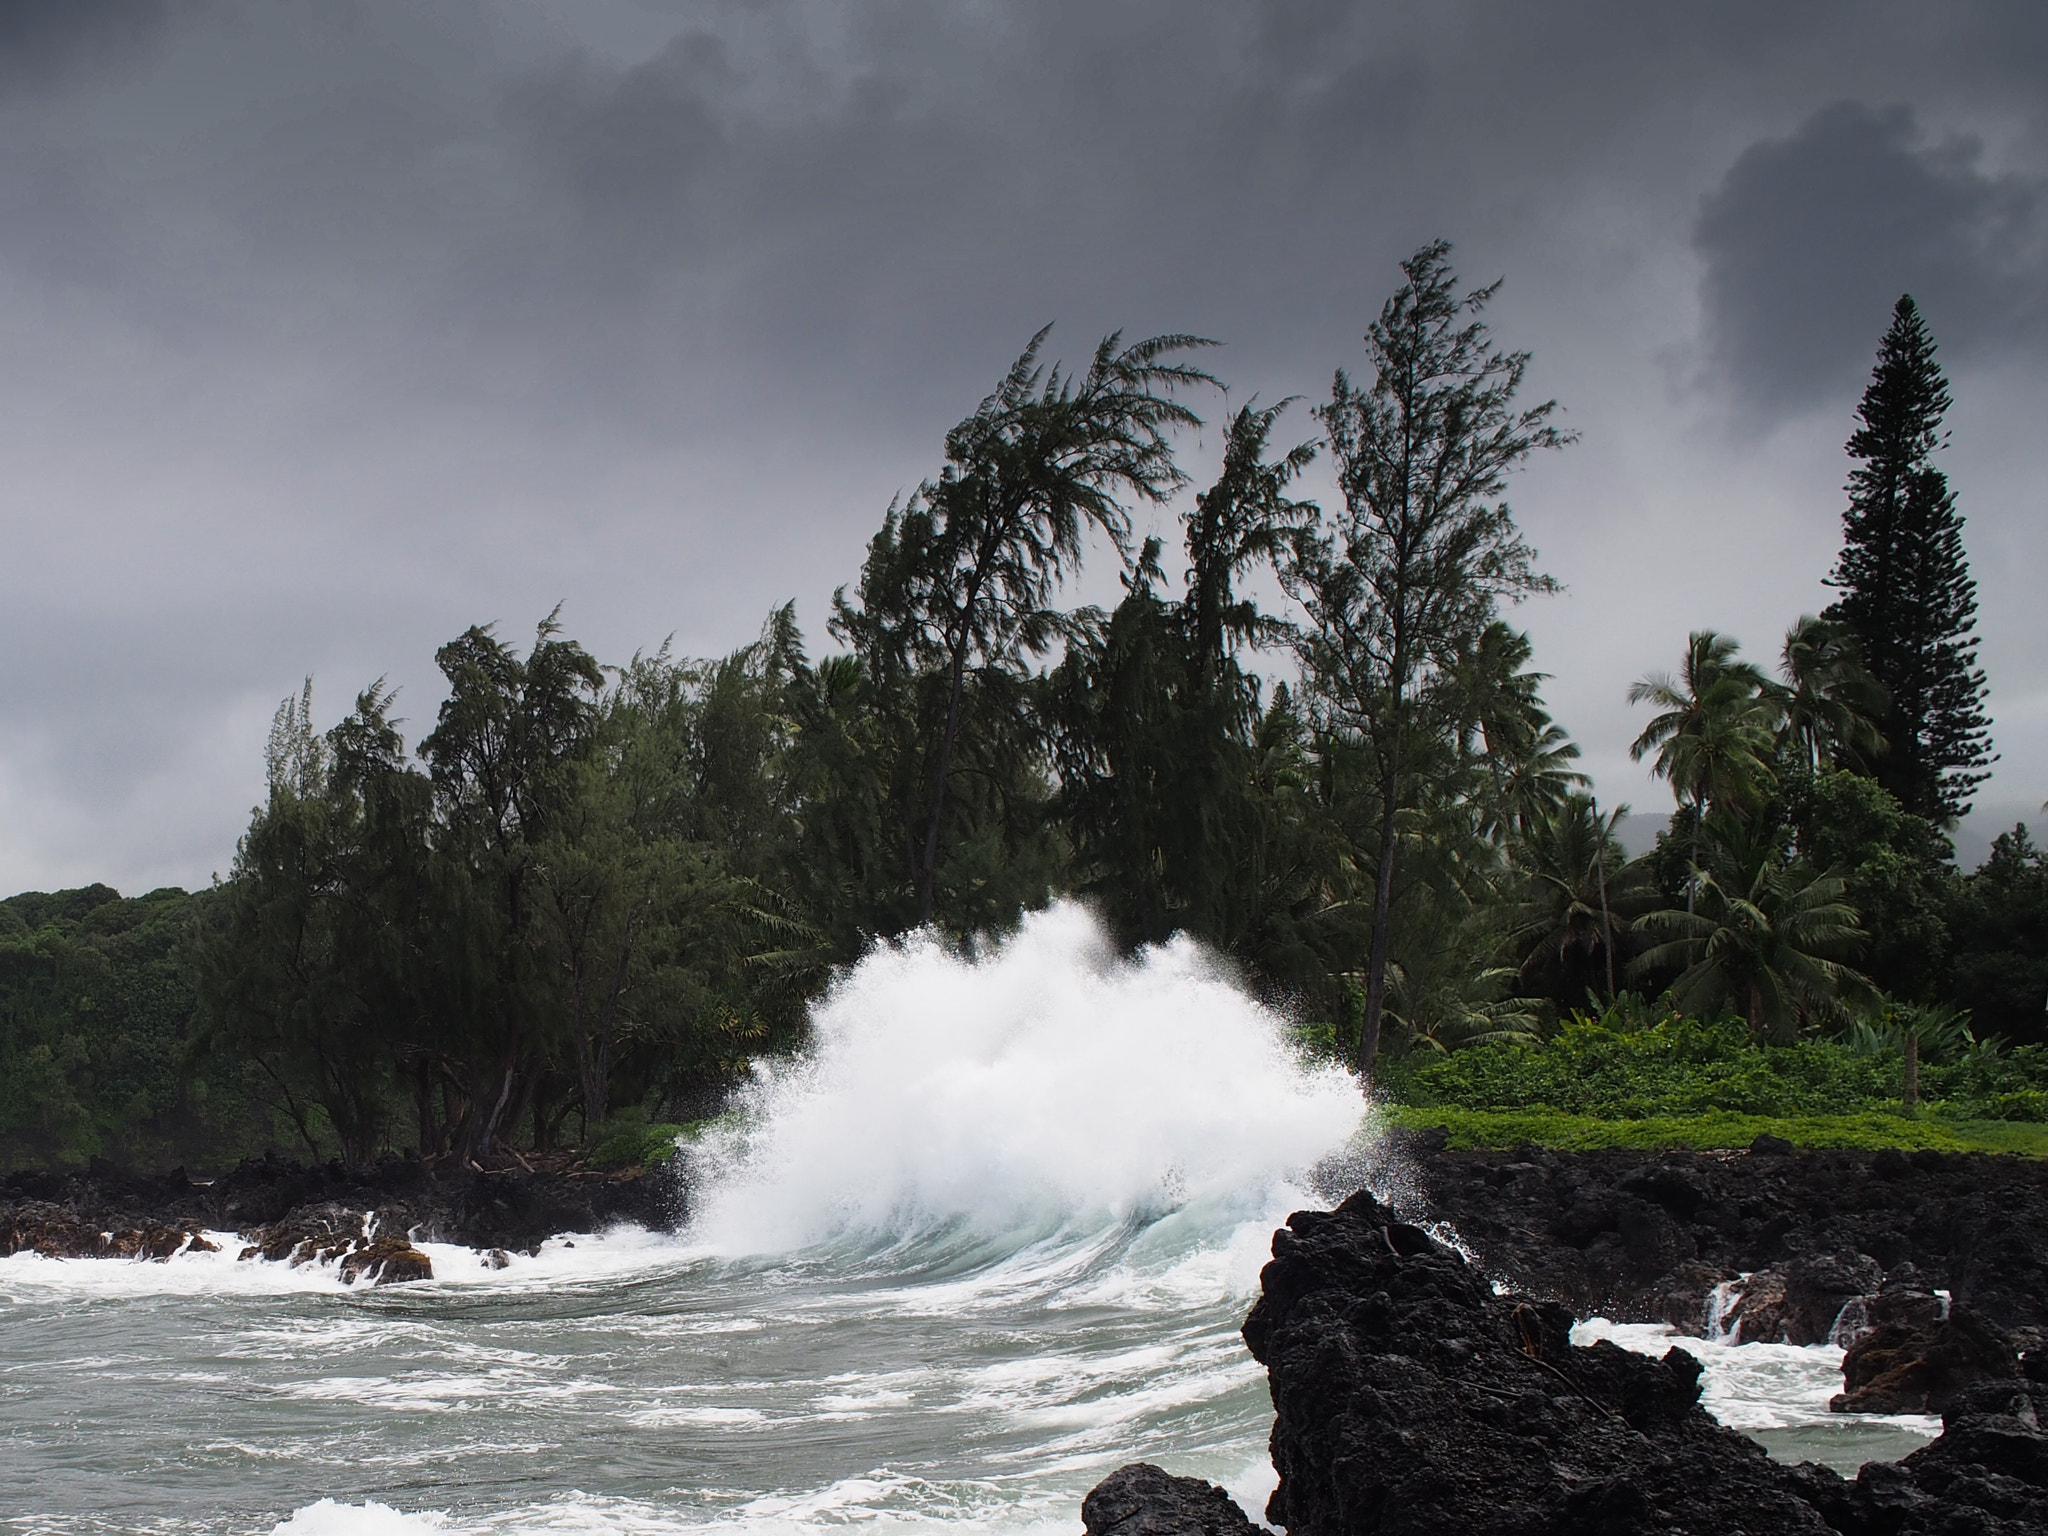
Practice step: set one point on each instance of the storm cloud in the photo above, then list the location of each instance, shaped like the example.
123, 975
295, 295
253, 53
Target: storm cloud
1811, 237
333, 328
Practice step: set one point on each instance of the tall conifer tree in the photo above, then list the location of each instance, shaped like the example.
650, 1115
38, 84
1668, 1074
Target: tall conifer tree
1907, 595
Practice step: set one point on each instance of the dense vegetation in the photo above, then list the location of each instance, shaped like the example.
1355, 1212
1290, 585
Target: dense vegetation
96, 1005
589, 894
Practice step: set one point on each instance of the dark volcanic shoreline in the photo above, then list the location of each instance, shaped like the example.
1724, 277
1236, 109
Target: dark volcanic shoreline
1411, 1398
288, 1210
1647, 1236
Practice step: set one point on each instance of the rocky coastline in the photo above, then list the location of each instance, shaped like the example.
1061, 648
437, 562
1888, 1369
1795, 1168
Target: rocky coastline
1420, 1388
1648, 1237
364, 1221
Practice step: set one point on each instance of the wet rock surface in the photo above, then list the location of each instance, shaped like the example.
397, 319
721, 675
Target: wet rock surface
292, 1213
1920, 1355
1411, 1398
1985, 1475
1142, 1500
1644, 1237
59, 1232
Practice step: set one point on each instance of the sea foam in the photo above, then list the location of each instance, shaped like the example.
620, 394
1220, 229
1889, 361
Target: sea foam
1037, 1082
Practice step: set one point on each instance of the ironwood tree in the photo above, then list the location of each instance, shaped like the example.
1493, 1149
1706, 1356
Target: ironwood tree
1399, 583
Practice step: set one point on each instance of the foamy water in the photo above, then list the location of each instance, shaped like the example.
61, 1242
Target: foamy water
992, 1239
1778, 1394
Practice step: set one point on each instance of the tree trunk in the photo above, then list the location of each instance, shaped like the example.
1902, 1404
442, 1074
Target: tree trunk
423, 1107
1911, 1097
590, 1081
1606, 926
1376, 964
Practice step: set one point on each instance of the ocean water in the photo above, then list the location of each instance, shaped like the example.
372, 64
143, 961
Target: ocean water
994, 1238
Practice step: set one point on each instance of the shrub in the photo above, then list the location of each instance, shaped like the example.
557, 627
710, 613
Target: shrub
640, 1145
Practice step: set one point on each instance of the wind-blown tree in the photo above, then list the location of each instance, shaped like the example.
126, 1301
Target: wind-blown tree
1154, 717
619, 875
1400, 583
1907, 596
958, 583
1769, 937
501, 757
1241, 522
1830, 703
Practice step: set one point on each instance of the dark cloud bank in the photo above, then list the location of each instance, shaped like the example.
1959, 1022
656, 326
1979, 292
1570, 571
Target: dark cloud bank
332, 328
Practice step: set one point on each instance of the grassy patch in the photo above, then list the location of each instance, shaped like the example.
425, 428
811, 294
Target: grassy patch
1867, 1130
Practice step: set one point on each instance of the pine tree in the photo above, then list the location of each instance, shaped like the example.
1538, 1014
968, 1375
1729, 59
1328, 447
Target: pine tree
1907, 596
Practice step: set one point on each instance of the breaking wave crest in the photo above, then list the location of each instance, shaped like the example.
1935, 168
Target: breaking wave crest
1040, 1084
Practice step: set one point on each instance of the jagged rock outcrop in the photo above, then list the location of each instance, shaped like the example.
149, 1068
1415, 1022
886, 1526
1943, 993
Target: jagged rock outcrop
1142, 1500
386, 1261
1919, 1354
57, 1232
1803, 1302
330, 1233
1410, 1398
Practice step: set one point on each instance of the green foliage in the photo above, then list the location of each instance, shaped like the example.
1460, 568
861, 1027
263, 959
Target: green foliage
956, 592
1894, 866
1678, 1068
1157, 731
1997, 924
1400, 585
592, 894
95, 1006
1868, 1131
642, 1145
570, 906
1759, 934
1711, 737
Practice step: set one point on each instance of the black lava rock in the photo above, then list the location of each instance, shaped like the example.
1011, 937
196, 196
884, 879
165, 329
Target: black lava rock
1410, 1398
306, 1211
1638, 1240
1141, 1500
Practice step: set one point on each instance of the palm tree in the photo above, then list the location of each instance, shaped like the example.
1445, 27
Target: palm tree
1578, 889
1713, 738
1831, 702
1767, 937
1528, 758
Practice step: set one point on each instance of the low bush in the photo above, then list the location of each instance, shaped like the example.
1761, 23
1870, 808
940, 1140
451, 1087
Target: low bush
1681, 1068
640, 1145
1869, 1131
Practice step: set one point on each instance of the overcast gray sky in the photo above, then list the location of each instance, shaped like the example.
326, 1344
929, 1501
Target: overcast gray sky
333, 326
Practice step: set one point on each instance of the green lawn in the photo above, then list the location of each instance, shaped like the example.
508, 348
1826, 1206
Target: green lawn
1868, 1130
